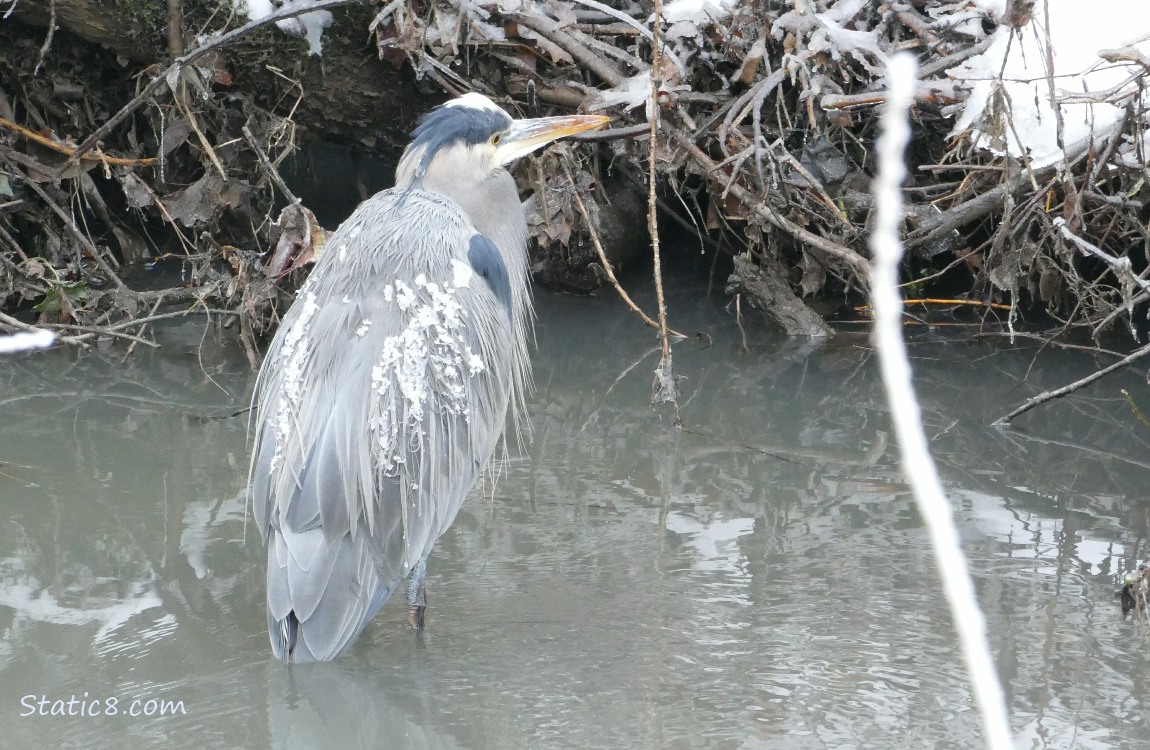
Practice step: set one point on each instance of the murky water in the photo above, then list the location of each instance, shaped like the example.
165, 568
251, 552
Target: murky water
760, 579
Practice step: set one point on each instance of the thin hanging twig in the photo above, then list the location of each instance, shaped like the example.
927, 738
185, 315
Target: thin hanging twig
607, 263
666, 387
917, 464
48, 38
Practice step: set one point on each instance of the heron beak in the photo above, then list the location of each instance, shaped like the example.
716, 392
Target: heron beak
526, 136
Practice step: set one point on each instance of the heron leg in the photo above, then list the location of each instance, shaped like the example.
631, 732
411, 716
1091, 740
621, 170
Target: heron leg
417, 595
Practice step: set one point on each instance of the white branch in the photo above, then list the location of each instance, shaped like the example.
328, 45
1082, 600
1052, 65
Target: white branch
18, 342
1121, 266
917, 464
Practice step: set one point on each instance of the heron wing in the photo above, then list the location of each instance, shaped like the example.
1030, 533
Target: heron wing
381, 399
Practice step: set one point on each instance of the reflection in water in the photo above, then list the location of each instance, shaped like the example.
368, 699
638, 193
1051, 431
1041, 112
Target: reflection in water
310, 706
759, 579
86, 601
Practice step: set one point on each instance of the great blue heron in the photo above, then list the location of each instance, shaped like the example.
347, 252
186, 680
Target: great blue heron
386, 388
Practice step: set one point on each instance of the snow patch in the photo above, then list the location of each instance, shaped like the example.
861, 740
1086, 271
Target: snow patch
698, 11
1023, 98
310, 26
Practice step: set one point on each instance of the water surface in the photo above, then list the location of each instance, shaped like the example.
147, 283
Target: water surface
758, 579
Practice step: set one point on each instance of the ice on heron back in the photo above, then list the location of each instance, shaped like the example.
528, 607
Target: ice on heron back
424, 367
293, 361
461, 274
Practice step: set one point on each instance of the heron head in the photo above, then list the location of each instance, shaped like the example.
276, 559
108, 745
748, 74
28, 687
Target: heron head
471, 135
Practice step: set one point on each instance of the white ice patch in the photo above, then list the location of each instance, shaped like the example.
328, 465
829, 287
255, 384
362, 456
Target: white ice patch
359, 332
292, 362
424, 367
404, 297
461, 274
308, 25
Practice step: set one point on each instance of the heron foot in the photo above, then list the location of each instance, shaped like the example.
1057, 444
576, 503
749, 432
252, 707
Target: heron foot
415, 615
417, 595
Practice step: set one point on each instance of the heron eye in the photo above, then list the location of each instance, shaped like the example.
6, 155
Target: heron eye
495, 139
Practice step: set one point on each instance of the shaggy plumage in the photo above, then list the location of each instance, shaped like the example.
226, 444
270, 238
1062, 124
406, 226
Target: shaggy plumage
384, 393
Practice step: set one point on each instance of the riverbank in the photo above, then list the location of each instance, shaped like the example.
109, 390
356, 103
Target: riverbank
765, 120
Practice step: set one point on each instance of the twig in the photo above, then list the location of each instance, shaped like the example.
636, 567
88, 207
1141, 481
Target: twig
89, 332
1082, 447
1045, 396
61, 148
930, 231
1046, 341
47, 45
842, 252
175, 29
653, 35
667, 388
203, 139
948, 302
603, 257
932, 69
612, 134
873, 99
1121, 266
551, 31
12, 243
271, 172
132, 347
917, 464
176, 314
71, 224
180, 63
8, 320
